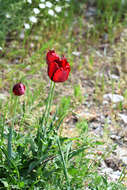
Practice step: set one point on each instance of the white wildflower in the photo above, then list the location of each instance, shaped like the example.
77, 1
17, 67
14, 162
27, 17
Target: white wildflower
48, 4
66, 13
58, 9
76, 53
51, 12
22, 35
29, 1
42, 6
8, 16
36, 11
42, 1
36, 37
32, 45
27, 26
33, 19
1, 48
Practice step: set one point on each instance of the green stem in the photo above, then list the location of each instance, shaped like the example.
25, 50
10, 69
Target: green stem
42, 131
64, 165
11, 133
48, 105
10, 143
50, 101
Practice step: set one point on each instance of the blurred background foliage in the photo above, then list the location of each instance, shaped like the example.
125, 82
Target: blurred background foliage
14, 14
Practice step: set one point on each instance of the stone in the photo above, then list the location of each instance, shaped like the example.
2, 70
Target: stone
123, 117
115, 137
125, 140
122, 154
105, 102
115, 98
115, 77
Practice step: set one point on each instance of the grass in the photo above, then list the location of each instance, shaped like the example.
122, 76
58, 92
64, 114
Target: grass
51, 159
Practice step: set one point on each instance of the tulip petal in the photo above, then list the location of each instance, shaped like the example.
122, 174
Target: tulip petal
63, 63
52, 68
51, 56
61, 75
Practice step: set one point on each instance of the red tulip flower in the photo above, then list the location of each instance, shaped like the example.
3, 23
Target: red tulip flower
51, 56
19, 89
58, 68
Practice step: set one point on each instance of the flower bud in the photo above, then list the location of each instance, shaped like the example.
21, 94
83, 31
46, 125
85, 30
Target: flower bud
19, 89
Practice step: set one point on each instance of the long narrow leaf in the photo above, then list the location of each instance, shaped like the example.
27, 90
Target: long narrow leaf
68, 149
36, 163
76, 152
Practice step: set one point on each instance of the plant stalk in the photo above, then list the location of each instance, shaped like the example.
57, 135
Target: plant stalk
64, 165
10, 134
48, 105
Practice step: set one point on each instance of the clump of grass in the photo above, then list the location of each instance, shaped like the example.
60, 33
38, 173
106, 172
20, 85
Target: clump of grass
78, 93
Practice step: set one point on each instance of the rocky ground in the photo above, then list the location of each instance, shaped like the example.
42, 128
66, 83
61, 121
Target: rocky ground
105, 105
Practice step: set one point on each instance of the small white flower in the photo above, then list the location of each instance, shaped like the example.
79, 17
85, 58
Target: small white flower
22, 35
36, 11
36, 37
58, 9
66, 13
48, 4
29, 1
32, 45
51, 12
1, 48
8, 16
27, 26
33, 19
76, 53
42, 1
42, 6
